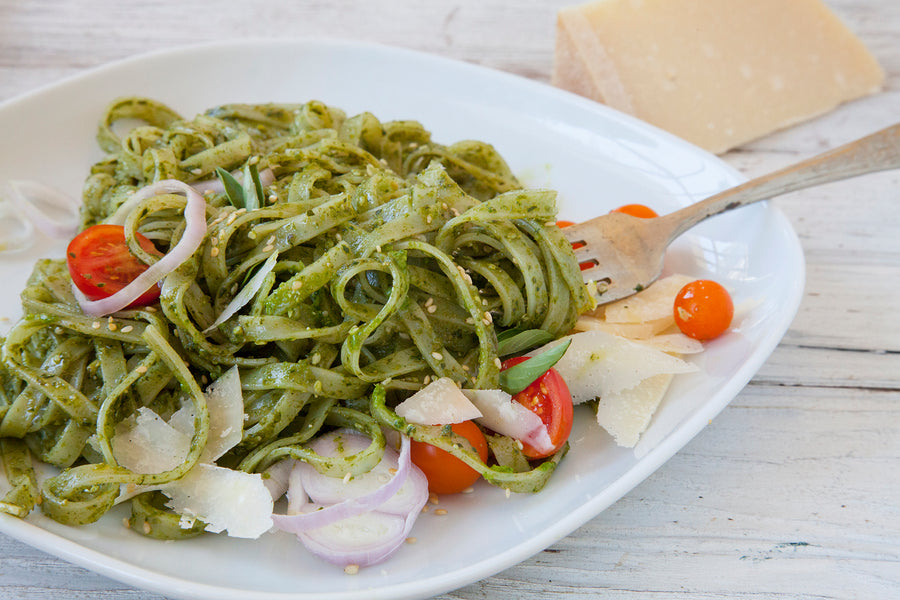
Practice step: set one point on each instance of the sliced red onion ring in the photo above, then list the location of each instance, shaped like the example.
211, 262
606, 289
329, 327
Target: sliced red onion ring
51, 211
351, 507
247, 292
363, 540
195, 231
342, 533
214, 184
16, 232
505, 416
325, 490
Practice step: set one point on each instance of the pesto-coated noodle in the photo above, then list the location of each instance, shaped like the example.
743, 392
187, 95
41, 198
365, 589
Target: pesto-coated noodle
397, 260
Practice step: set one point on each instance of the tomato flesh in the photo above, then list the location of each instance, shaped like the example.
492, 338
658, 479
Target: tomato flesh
549, 398
447, 474
637, 210
703, 309
101, 264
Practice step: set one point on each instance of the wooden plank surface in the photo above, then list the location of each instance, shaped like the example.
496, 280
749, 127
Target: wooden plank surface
792, 492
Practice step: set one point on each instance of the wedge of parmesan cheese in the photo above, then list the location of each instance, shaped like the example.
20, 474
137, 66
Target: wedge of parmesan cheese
715, 73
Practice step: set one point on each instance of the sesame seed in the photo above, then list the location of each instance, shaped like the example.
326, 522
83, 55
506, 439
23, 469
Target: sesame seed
498, 362
392, 471
468, 490
437, 356
112, 326
254, 160
432, 308
426, 380
378, 248
197, 171
426, 508
488, 317
508, 493
428, 219
214, 241
454, 211
411, 540
127, 329
214, 251
444, 205
150, 308
146, 528
296, 284
96, 324
338, 237
440, 512
429, 302
351, 569
347, 478
252, 235
273, 199
318, 387
268, 248
141, 369
465, 368
433, 498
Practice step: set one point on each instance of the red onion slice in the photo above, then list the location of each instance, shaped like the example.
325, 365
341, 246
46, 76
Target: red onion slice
351, 507
362, 540
16, 232
195, 231
51, 211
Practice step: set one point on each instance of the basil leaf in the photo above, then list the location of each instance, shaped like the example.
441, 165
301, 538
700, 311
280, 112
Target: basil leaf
514, 341
252, 188
233, 190
518, 377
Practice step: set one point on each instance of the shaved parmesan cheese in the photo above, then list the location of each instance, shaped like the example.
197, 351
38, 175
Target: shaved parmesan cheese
509, 418
627, 413
652, 304
226, 500
226, 415
439, 403
598, 364
632, 331
674, 343
144, 443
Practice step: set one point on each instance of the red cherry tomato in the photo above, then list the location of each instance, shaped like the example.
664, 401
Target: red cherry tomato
101, 264
703, 309
447, 474
637, 210
549, 398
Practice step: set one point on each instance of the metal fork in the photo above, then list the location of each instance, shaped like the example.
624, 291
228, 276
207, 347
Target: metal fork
627, 252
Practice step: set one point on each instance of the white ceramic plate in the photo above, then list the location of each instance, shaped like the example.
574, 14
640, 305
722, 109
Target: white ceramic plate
596, 158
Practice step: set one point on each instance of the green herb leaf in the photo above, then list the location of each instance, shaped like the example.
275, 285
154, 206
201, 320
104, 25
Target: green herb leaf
252, 188
233, 190
514, 341
518, 377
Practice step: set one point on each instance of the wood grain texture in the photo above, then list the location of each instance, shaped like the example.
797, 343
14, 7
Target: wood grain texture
791, 492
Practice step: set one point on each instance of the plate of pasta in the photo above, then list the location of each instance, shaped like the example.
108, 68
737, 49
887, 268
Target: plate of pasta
299, 267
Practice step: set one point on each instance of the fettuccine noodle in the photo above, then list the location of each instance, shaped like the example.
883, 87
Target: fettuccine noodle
397, 261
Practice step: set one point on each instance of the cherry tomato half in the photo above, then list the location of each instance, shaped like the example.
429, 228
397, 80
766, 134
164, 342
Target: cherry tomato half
637, 210
447, 474
703, 309
549, 398
101, 264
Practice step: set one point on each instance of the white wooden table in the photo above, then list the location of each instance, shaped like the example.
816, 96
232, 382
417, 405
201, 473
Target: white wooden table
792, 492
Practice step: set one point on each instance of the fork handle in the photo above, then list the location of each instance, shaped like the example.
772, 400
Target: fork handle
876, 152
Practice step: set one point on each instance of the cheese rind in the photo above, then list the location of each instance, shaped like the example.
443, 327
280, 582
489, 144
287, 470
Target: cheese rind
715, 73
